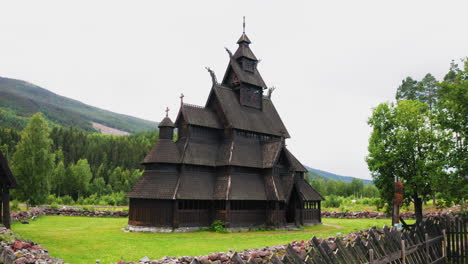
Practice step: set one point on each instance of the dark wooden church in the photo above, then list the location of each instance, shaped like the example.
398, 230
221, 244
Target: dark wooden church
229, 161
7, 181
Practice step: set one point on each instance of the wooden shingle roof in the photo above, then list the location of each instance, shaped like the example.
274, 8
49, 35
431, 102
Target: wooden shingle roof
270, 152
164, 151
244, 51
253, 78
198, 153
307, 192
294, 162
155, 184
199, 116
196, 186
266, 121
166, 122
247, 187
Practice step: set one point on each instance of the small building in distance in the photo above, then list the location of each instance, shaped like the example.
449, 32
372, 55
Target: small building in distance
229, 162
7, 181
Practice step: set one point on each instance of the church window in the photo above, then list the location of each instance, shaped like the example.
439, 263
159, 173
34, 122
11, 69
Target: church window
248, 65
251, 97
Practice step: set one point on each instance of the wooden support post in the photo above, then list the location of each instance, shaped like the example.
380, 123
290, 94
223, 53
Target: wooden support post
426, 237
227, 222
1, 204
301, 213
320, 211
371, 256
175, 214
395, 213
277, 214
6, 206
444, 244
212, 211
403, 252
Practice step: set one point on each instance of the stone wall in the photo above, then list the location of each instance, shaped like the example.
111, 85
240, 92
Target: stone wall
17, 251
378, 215
66, 211
70, 211
262, 255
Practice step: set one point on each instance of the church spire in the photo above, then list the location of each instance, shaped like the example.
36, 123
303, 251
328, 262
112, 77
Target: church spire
244, 39
244, 49
242, 67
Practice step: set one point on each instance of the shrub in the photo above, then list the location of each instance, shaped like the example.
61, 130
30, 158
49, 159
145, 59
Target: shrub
58, 200
51, 199
67, 200
92, 199
54, 205
218, 227
15, 206
332, 201
80, 201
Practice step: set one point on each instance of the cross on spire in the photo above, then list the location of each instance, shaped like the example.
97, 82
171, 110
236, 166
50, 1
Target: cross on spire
243, 26
167, 111
181, 98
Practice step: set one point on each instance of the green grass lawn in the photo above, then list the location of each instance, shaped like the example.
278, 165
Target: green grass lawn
84, 239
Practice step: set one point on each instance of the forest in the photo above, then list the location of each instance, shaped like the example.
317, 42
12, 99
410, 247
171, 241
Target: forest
79, 167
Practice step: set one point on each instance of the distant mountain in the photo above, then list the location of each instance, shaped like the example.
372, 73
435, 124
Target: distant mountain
19, 100
328, 175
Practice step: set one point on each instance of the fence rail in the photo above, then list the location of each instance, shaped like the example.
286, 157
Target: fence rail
433, 241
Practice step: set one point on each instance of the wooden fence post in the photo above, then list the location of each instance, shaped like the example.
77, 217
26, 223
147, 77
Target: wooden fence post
371, 256
403, 252
444, 244
426, 237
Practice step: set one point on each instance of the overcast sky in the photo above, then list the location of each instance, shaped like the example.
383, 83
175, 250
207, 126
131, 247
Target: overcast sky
331, 61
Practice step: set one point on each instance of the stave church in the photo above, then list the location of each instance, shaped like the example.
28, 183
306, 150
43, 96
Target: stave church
229, 161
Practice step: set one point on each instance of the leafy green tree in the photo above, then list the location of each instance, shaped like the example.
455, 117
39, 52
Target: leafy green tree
81, 176
115, 180
33, 162
408, 90
342, 189
59, 179
98, 186
356, 187
331, 187
403, 145
370, 191
319, 185
452, 116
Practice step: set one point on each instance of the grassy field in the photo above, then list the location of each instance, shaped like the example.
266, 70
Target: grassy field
83, 239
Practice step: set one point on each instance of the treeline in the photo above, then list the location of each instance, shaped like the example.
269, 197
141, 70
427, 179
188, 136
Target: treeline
68, 165
355, 188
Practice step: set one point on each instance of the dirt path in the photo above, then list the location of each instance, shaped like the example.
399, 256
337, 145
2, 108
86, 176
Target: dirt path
335, 226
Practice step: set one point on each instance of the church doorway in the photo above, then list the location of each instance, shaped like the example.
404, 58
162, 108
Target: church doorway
291, 207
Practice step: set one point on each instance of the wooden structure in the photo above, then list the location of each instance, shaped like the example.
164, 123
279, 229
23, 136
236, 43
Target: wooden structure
229, 162
7, 181
424, 244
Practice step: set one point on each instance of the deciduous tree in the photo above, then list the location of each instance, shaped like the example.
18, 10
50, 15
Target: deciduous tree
404, 145
33, 162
